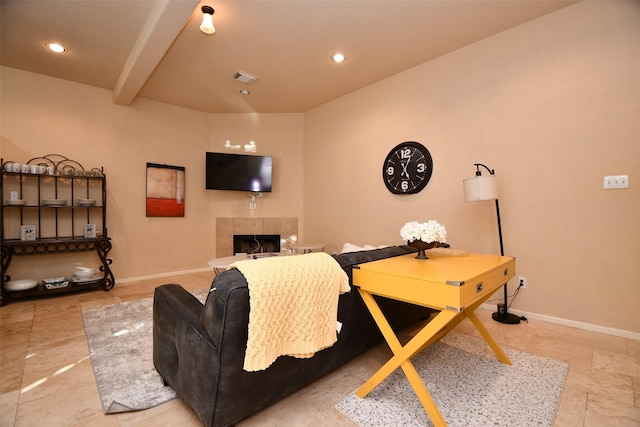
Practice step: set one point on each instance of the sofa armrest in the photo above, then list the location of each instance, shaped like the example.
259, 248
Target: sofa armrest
174, 300
183, 352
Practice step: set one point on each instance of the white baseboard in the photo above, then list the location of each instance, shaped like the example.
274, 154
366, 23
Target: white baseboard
571, 323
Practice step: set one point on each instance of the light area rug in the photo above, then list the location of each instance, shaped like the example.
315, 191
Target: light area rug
120, 339
469, 386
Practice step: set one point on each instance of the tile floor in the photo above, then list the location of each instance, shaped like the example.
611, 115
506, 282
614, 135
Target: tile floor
46, 376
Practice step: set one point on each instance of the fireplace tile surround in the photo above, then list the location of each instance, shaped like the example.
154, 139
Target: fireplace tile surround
227, 227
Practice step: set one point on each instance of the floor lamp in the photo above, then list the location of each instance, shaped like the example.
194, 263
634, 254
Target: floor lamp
480, 188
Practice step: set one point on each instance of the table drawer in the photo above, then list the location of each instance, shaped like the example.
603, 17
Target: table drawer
478, 287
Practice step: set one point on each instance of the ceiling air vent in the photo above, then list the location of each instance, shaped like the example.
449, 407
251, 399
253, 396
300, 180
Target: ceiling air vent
243, 77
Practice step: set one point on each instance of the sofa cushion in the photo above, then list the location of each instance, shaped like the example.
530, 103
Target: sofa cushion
350, 247
221, 305
349, 259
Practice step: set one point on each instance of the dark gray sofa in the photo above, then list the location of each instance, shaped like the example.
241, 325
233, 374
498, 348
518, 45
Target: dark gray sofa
199, 349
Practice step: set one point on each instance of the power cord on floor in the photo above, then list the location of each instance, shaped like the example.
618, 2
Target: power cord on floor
512, 296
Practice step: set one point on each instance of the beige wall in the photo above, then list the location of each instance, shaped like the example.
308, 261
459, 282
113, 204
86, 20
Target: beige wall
43, 115
552, 106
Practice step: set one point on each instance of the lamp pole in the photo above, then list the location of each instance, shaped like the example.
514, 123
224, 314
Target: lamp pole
502, 315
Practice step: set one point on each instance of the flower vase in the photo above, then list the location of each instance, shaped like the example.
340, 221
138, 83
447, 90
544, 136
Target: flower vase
421, 247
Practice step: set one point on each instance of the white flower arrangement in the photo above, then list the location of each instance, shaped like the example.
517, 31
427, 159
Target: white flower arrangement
430, 231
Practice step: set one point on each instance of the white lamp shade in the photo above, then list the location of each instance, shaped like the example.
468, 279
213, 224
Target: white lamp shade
207, 24
480, 188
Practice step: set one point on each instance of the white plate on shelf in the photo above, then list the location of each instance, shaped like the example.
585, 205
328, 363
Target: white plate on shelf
16, 202
21, 285
89, 280
86, 202
54, 202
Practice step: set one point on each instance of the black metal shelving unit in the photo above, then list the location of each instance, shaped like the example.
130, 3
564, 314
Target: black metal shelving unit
53, 195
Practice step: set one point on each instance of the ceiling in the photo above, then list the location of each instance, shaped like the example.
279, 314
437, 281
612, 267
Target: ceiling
154, 48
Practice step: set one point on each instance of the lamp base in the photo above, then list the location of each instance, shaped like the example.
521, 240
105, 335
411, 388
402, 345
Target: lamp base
507, 318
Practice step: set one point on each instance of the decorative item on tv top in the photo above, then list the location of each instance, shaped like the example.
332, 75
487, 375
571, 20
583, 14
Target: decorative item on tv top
423, 235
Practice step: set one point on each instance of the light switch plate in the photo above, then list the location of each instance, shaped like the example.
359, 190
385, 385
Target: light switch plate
616, 181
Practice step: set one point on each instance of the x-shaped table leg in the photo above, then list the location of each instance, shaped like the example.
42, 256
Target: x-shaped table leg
439, 326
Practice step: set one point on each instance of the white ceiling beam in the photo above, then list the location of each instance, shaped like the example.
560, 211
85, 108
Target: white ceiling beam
165, 22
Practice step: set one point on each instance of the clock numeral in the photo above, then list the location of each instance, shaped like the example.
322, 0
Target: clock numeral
390, 170
421, 167
405, 153
404, 186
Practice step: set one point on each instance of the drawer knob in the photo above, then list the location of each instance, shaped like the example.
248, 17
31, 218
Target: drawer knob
479, 287
506, 271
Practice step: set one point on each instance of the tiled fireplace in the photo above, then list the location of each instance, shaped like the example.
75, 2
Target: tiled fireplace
226, 228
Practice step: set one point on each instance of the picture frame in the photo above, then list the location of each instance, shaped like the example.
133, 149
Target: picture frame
89, 231
27, 232
165, 195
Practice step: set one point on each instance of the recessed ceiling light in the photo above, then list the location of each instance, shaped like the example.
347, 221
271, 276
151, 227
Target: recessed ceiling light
338, 57
57, 48
245, 92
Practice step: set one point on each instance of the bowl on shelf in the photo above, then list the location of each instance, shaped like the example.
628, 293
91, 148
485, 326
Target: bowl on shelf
21, 285
86, 202
56, 282
15, 202
54, 202
83, 273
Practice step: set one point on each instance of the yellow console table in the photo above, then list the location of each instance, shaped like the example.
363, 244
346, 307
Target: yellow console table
454, 285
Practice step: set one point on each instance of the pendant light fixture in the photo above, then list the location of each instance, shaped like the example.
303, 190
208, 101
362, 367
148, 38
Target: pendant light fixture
207, 20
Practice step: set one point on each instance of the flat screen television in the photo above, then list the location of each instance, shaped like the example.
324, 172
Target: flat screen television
238, 172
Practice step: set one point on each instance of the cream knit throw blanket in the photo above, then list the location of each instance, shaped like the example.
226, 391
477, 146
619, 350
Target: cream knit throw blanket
293, 306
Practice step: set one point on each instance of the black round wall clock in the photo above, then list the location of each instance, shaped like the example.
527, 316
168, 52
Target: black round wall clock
407, 168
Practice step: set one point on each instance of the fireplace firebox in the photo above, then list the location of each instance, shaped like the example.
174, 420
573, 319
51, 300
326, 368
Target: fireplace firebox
256, 243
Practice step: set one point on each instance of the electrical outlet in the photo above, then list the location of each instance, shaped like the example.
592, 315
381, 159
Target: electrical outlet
252, 205
522, 282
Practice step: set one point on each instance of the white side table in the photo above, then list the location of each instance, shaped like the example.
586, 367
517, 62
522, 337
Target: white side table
307, 247
220, 264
